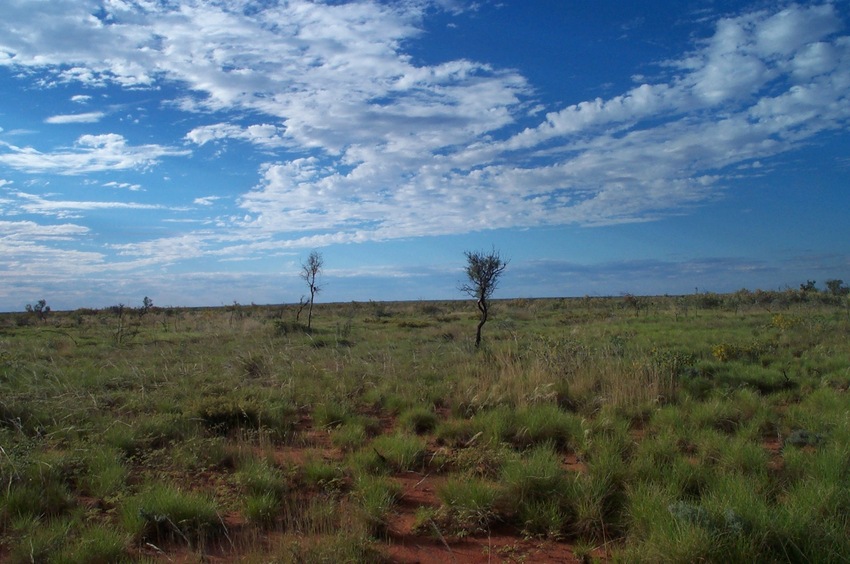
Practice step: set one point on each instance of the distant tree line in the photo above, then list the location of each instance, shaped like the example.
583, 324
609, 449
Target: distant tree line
835, 292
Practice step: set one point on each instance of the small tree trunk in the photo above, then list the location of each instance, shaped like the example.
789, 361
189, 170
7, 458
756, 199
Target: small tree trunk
482, 307
310, 311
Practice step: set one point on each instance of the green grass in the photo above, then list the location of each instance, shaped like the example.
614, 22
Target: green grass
398, 453
533, 477
164, 513
262, 508
350, 436
705, 428
38, 541
376, 496
97, 544
39, 488
259, 477
419, 420
106, 474
331, 414
322, 474
468, 506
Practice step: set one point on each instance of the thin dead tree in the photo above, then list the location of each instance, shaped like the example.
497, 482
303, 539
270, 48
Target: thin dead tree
310, 271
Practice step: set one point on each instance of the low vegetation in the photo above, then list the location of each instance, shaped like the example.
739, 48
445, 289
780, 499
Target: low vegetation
688, 428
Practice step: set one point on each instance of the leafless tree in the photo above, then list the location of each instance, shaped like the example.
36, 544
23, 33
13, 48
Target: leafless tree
310, 270
483, 270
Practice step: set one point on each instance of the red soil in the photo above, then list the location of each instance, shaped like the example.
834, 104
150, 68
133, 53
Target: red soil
402, 543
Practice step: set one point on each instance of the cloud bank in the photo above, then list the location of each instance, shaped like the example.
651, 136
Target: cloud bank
359, 141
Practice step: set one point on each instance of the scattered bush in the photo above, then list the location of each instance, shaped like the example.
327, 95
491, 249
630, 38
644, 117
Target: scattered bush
751, 352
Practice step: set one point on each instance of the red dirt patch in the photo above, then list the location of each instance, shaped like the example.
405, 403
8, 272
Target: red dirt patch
773, 446
502, 544
573, 463
497, 547
404, 543
416, 491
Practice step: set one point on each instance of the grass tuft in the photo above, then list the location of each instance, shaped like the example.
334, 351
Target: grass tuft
418, 420
469, 506
165, 513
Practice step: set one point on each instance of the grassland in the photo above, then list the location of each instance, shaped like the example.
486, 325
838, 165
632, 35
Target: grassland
680, 429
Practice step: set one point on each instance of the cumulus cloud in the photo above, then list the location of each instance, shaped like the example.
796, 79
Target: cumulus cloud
259, 134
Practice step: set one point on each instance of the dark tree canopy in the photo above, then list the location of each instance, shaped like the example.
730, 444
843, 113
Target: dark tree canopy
41, 309
483, 270
837, 287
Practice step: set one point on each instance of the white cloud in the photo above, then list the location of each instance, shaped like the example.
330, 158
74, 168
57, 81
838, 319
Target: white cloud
123, 186
208, 133
333, 73
33, 253
265, 135
206, 200
36, 204
81, 98
385, 147
167, 250
770, 97
31, 231
91, 153
793, 28
90, 117
734, 64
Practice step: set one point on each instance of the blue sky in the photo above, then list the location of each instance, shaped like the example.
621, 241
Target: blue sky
196, 151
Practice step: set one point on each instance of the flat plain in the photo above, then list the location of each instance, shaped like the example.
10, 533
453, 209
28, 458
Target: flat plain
638, 429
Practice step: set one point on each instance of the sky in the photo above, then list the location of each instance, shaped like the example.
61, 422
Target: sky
196, 151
